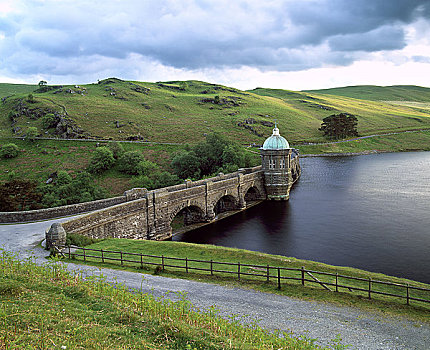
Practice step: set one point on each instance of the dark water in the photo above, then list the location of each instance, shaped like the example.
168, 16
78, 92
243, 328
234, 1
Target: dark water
371, 212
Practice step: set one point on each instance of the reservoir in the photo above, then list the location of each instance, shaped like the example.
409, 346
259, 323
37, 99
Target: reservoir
370, 212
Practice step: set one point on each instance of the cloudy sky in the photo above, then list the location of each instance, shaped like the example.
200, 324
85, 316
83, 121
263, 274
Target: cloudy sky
290, 44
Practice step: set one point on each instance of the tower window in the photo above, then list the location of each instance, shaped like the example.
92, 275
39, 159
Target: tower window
271, 164
282, 163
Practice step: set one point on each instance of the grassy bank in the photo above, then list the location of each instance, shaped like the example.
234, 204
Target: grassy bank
292, 288
402, 142
46, 307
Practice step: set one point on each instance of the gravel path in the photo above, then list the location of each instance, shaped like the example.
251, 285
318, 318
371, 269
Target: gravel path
360, 329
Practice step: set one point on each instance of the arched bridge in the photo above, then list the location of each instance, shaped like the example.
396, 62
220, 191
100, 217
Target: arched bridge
150, 214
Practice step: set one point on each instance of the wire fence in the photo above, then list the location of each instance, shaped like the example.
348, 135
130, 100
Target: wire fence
334, 282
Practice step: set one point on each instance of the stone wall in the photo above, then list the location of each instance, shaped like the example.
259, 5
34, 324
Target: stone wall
57, 212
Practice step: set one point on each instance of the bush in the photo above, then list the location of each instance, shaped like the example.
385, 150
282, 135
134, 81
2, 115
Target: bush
32, 133
48, 121
145, 167
129, 161
9, 150
186, 165
101, 160
117, 149
70, 190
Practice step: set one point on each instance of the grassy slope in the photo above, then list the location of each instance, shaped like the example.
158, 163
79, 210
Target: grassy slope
46, 307
380, 93
37, 160
181, 116
13, 89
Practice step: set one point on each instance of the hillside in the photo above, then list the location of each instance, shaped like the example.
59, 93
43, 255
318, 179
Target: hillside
380, 93
14, 89
183, 112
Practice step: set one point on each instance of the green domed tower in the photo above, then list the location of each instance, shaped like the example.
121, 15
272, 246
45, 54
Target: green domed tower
280, 165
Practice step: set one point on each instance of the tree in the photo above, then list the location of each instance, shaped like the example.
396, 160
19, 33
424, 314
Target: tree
9, 150
128, 162
42, 83
339, 126
101, 160
186, 165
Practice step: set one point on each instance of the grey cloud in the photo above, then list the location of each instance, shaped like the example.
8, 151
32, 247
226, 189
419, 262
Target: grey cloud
278, 35
383, 38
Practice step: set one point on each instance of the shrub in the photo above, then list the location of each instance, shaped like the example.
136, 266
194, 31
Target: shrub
32, 133
145, 167
9, 150
128, 162
101, 160
116, 148
48, 121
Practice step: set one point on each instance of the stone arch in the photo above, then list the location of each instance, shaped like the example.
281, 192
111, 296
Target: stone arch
184, 205
252, 194
186, 214
224, 203
257, 187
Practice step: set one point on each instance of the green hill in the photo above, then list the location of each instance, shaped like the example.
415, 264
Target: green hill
184, 111
380, 93
13, 89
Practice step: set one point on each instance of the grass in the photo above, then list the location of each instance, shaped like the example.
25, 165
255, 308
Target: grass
380, 93
385, 304
47, 307
37, 160
165, 113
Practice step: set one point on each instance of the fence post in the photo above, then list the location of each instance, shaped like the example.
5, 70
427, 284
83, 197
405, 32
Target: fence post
121, 259
370, 287
69, 252
337, 281
268, 273
83, 248
279, 278
212, 270
303, 275
141, 261
407, 294
103, 258
186, 264
238, 271
162, 263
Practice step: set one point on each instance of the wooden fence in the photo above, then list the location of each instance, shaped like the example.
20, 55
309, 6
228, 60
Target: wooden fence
334, 282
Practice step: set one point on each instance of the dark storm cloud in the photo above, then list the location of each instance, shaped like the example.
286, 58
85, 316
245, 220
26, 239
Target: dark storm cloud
277, 35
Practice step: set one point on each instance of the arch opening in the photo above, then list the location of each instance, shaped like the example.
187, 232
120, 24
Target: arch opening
225, 203
252, 195
187, 216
